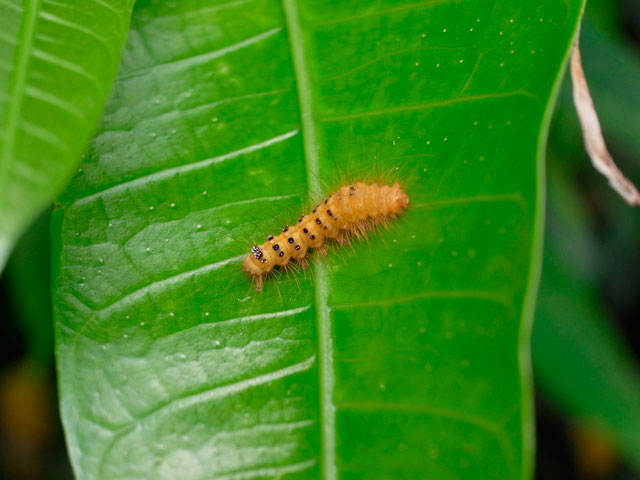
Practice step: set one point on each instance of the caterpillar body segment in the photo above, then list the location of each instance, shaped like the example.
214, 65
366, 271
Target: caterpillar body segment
352, 210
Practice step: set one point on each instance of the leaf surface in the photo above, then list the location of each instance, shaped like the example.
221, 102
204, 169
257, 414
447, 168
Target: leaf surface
405, 356
57, 62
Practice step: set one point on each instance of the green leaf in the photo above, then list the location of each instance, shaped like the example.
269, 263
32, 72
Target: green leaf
581, 363
57, 62
405, 356
28, 283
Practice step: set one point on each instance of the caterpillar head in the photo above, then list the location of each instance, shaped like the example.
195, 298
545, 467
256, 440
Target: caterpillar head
256, 263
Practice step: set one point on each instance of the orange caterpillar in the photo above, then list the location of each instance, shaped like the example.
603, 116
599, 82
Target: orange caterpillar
352, 210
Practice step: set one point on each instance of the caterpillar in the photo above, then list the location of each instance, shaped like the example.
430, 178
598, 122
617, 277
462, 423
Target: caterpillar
351, 211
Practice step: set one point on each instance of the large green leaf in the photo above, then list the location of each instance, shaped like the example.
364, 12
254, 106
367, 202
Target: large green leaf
57, 62
402, 357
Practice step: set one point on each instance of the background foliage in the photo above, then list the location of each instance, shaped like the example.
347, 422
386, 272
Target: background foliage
57, 63
553, 370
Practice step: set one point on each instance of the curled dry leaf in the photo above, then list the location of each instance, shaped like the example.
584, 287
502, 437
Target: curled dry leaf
592, 133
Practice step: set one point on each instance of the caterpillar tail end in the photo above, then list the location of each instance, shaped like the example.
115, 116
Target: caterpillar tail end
400, 198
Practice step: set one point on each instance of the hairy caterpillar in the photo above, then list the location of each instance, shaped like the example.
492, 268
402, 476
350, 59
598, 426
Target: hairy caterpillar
350, 211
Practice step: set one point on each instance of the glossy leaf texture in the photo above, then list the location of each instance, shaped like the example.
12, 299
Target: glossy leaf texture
57, 62
404, 356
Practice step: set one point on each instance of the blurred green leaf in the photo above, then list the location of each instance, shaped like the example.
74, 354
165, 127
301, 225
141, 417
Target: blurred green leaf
579, 360
403, 357
605, 16
57, 62
28, 280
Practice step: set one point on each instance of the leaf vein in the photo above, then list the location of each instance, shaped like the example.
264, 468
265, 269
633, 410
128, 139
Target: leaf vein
489, 296
44, 135
488, 426
270, 472
31, 9
198, 398
55, 101
245, 319
171, 171
378, 13
515, 197
163, 283
323, 318
203, 57
12, 5
70, 66
427, 105
77, 27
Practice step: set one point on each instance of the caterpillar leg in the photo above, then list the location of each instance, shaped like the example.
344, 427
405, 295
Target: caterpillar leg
303, 262
258, 281
360, 230
322, 251
342, 239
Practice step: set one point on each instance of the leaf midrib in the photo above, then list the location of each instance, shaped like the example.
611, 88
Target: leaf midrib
321, 284
25, 44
